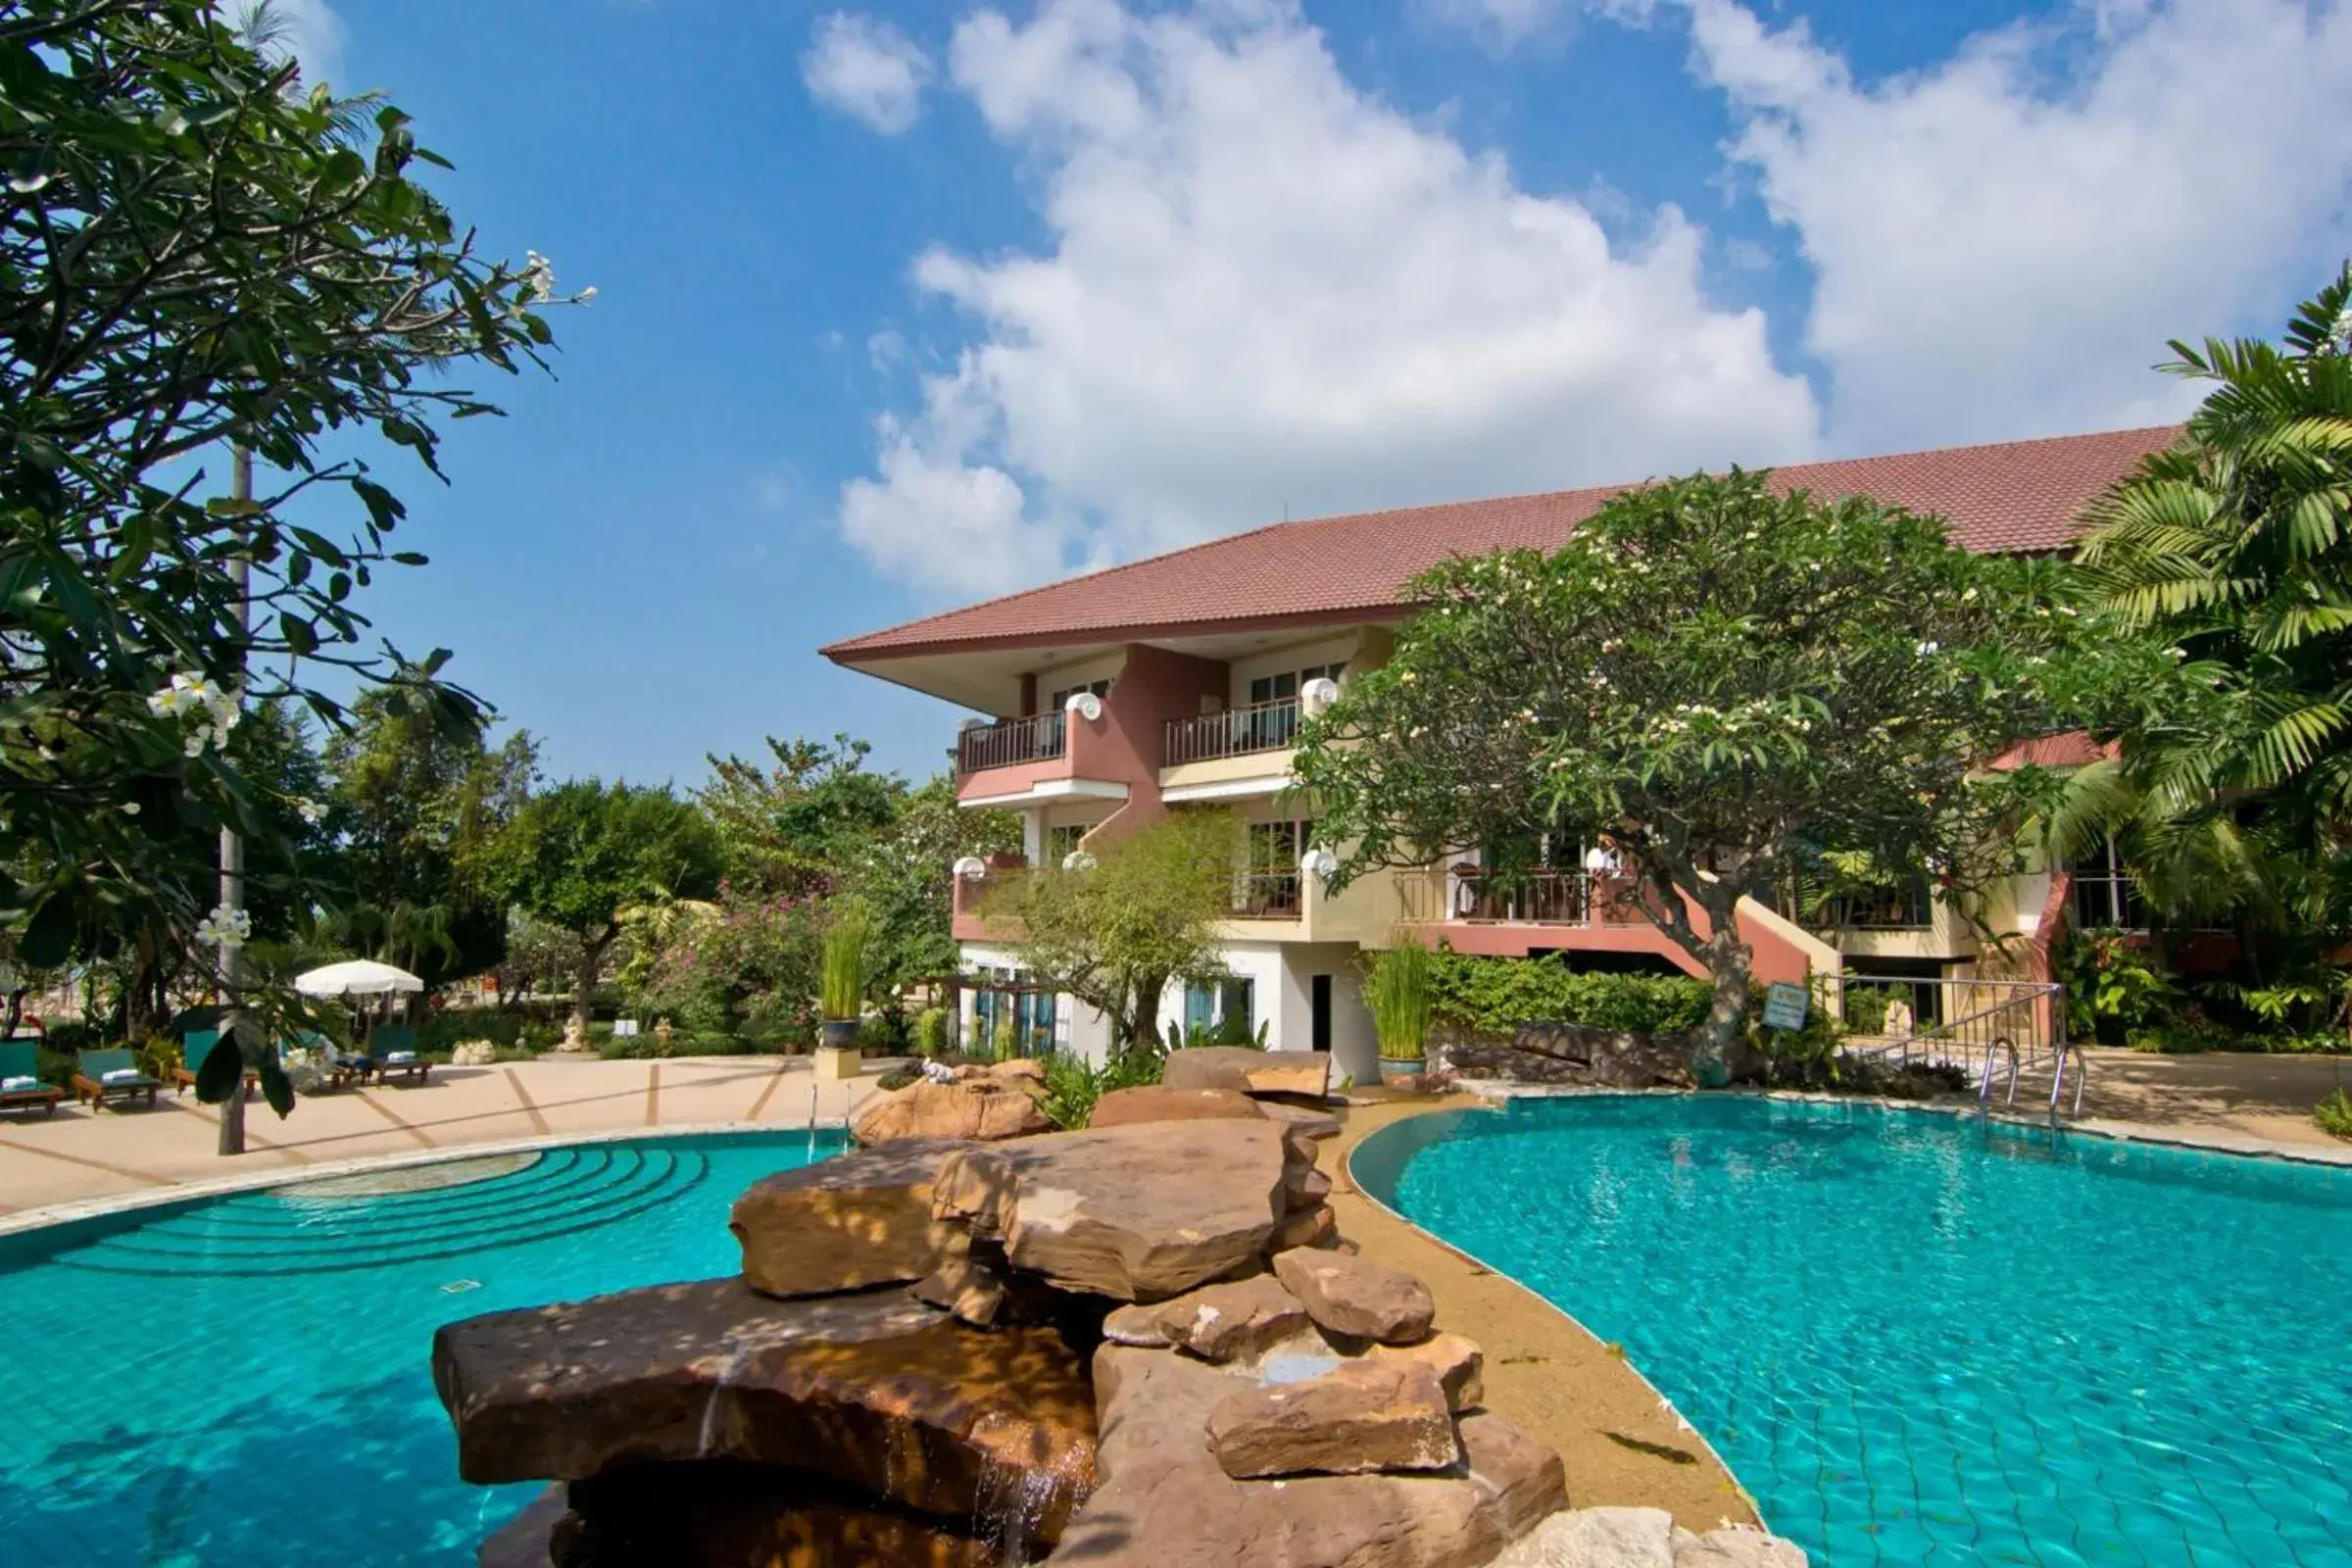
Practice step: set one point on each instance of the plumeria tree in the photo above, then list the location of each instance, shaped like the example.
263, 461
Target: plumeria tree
199, 256
1713, 680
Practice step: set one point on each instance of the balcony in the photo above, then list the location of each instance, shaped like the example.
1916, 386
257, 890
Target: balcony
1268, 896
1911, 907
1236, 732
1010, 741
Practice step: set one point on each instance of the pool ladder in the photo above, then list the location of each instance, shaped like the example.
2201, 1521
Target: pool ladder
2059, 1055
816, 1087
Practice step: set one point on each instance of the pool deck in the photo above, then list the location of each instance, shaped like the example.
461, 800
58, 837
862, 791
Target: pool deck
1623, 1444
79, 1157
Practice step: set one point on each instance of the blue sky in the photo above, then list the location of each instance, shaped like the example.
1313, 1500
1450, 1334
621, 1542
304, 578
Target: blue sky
899, 306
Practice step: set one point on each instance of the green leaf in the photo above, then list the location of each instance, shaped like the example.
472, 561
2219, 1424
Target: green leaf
221, 1073
276, 1087
48, 939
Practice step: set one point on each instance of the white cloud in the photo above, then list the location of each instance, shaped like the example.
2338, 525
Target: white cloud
1503, 23
2004, 242
867, 69
1266, 290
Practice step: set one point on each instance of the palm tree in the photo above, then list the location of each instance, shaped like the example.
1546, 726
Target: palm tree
2232, 792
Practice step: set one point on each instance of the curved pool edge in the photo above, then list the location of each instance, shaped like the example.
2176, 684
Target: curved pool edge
25, 1221
2243, 1146
1584, 1376
1406, 1124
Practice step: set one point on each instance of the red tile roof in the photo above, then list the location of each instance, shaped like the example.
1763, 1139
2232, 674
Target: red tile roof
2073, 748
2012, 496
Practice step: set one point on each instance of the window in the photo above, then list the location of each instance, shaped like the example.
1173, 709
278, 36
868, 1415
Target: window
2103, 896
1097, 688
1062, 842
1221, 1012
1270, 868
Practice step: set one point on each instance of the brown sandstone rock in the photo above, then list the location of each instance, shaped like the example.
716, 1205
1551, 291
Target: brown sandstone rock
1311, 1125
1360, 1417
1734, 1548
1303, 1187
1137, 1214
1225, 1322
842, 1224
1012, 1072
1460, 1366
876, 1390
1123, 1107
978, 1109
1317, 1228
1356, 1297
1250, 1072
1597, 1538
1164, 1502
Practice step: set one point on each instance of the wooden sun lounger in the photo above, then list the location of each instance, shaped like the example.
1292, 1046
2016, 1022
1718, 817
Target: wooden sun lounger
90, 1084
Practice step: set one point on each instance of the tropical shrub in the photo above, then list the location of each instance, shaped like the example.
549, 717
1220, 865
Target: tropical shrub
841, 981
1397, 990
1073, 1084
931, 1032
1496, 996
2333, 1115
2114, 985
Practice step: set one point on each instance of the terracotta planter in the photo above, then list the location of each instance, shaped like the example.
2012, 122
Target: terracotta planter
1405, 1073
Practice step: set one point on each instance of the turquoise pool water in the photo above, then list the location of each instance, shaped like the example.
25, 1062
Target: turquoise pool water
1919, 1339
245, 1382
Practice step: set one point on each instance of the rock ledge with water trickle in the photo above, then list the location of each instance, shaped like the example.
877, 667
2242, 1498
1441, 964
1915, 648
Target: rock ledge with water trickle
1088, 1348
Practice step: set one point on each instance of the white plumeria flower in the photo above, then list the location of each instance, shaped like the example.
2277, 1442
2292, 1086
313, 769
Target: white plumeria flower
225, 928
309, 810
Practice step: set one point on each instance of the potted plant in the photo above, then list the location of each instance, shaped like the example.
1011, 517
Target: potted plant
1396, 991
841, 989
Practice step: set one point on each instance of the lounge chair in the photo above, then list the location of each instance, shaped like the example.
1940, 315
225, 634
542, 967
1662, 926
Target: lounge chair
20, 1065
392, 1048
114, 1075
194, 1046
342, 1070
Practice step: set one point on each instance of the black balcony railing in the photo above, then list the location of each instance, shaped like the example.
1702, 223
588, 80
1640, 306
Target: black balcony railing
1011, 741
1910, 907
1238, 731
1267, 895
2102, 898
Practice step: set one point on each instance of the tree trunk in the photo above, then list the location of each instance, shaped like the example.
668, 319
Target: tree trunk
1728, 960
583, 986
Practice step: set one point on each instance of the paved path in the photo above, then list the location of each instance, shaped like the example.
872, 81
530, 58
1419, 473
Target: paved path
80, 1155
2248, 1103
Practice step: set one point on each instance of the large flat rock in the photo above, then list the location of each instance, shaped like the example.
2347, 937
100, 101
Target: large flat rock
1360, 1417
843, 1224
1357, 1296
1230, 1321
1164, 1502
1136, 1214
876, 1390
1123, 1107
982, 1109
1240, 1069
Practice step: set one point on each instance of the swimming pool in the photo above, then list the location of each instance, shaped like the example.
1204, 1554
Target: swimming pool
245, 1380
1922, 1339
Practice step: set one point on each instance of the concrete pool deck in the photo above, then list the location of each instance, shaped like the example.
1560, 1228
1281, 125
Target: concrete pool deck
79, 1156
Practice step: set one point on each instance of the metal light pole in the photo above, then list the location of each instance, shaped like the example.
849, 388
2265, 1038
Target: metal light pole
233, 846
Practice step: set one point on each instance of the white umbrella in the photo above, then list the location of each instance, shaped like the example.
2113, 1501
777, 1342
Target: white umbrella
357, 977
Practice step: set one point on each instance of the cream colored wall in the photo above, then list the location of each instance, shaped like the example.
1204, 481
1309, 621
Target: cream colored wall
1226, 770
1078, 672
1330, 650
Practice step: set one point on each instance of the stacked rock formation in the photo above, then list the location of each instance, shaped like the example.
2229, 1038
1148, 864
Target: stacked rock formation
1139, 1343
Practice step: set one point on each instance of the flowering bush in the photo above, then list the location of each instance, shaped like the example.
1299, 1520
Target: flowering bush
748, 967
